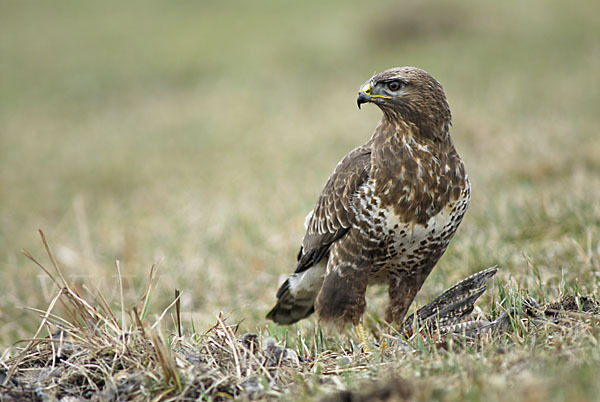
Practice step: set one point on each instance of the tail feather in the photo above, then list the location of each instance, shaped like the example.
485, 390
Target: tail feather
296, 297
289, 309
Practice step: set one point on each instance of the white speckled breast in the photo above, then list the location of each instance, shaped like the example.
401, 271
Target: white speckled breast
409, 246
414, 245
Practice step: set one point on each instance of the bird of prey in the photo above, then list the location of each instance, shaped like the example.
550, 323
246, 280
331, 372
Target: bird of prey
387, 212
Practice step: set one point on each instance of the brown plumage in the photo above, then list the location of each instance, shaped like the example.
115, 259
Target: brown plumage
388, 210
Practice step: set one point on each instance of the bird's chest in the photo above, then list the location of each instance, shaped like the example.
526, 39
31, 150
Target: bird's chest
408, 246
412, 246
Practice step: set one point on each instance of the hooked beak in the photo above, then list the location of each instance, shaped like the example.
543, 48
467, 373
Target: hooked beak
364, 95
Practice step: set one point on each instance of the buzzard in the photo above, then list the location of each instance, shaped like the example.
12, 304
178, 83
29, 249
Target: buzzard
387, 212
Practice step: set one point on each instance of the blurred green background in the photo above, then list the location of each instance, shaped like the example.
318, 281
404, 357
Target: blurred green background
197, 135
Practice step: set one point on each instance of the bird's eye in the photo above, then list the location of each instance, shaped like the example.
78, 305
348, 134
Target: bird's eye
394, 85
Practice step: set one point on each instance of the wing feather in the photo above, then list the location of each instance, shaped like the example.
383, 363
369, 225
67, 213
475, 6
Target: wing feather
333, 214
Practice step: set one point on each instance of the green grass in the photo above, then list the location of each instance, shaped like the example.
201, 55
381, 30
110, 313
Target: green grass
198, 135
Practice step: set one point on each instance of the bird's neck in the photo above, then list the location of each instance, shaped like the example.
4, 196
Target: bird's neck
398, 133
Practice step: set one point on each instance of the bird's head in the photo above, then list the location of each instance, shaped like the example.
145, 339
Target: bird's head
411, 95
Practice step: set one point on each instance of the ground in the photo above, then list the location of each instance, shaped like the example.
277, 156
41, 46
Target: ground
197, 137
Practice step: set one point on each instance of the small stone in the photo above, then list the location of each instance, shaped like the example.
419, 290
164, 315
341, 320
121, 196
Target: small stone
344, 361
252, 387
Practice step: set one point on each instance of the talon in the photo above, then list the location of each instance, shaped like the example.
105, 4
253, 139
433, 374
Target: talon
362, 336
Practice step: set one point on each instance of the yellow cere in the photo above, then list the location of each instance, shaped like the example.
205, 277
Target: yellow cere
367, 89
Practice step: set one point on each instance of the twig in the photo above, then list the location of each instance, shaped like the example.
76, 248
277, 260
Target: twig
178, 311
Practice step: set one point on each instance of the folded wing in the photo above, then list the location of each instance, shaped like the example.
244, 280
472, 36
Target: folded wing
331, 219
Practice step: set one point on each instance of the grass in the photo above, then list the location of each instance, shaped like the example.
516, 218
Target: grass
197, 137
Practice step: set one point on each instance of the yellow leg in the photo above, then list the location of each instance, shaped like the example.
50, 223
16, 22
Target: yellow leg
362, 336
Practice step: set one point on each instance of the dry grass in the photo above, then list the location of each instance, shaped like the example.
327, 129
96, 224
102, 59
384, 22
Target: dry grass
90, 353
196, 137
